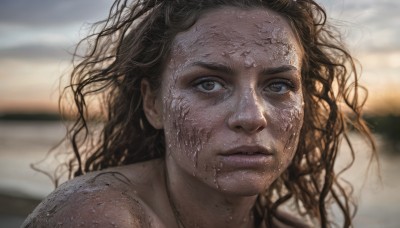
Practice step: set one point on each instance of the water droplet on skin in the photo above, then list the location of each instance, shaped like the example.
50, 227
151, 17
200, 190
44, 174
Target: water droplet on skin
195, 158
215, 178
249, 62
245, 53
288, 127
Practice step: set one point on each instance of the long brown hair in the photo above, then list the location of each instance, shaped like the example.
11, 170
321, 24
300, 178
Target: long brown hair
133, 43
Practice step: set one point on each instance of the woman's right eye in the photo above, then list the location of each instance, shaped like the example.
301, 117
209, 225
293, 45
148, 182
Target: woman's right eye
208, 86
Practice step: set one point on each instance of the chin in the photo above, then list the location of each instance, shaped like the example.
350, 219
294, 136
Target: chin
245, 183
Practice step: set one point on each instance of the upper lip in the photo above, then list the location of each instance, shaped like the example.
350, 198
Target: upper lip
248, 149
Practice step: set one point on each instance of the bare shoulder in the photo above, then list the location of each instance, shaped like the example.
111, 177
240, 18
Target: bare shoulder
109, 198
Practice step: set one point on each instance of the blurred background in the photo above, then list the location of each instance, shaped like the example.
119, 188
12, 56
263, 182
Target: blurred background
36, 42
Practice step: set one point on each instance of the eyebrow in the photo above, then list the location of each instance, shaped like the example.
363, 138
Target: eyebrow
277, 70
214, 66
228, 70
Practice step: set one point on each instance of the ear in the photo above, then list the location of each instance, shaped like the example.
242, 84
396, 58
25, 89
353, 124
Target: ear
151, 105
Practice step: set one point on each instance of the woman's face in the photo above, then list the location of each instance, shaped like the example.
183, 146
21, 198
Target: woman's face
231, 100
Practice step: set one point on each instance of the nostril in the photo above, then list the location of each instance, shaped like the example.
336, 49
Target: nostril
248, 123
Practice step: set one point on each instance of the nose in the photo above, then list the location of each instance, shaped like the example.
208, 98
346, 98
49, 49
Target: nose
249, 114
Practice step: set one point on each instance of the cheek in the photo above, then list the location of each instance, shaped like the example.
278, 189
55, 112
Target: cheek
184, 136
292, 119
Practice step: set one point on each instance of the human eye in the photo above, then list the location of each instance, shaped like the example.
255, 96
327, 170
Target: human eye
280, 86
208, 85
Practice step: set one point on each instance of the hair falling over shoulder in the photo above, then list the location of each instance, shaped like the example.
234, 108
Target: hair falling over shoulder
110, 127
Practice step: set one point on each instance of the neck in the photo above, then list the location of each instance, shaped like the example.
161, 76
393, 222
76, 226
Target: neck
196, 204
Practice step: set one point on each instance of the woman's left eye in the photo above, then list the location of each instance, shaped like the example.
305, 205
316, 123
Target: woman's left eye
279, 87
209, 86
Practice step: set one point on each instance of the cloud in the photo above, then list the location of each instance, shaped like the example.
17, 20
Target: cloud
41, 13
369, 25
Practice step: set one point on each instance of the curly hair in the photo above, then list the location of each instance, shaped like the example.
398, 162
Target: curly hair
134, 42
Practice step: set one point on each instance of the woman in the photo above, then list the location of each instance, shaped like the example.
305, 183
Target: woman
216, 113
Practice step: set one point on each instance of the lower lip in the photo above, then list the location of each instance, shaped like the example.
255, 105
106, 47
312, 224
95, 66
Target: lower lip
246, 161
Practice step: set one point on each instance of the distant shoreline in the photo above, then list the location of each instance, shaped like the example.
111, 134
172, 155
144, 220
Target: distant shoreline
35, 116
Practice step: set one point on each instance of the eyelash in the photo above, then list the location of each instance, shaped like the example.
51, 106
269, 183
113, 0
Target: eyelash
267, 89
198, 83
285, 82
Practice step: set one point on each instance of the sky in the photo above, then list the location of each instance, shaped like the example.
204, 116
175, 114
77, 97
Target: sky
38, 36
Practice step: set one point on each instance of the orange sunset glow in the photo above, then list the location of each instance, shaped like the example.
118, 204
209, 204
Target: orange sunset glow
35, 55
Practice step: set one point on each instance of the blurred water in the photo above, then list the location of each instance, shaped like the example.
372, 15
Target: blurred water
23, 143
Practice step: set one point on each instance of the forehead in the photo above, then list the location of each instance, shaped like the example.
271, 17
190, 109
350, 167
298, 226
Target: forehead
232, 26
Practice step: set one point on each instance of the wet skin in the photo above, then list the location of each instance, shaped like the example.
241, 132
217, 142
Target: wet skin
231, 106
